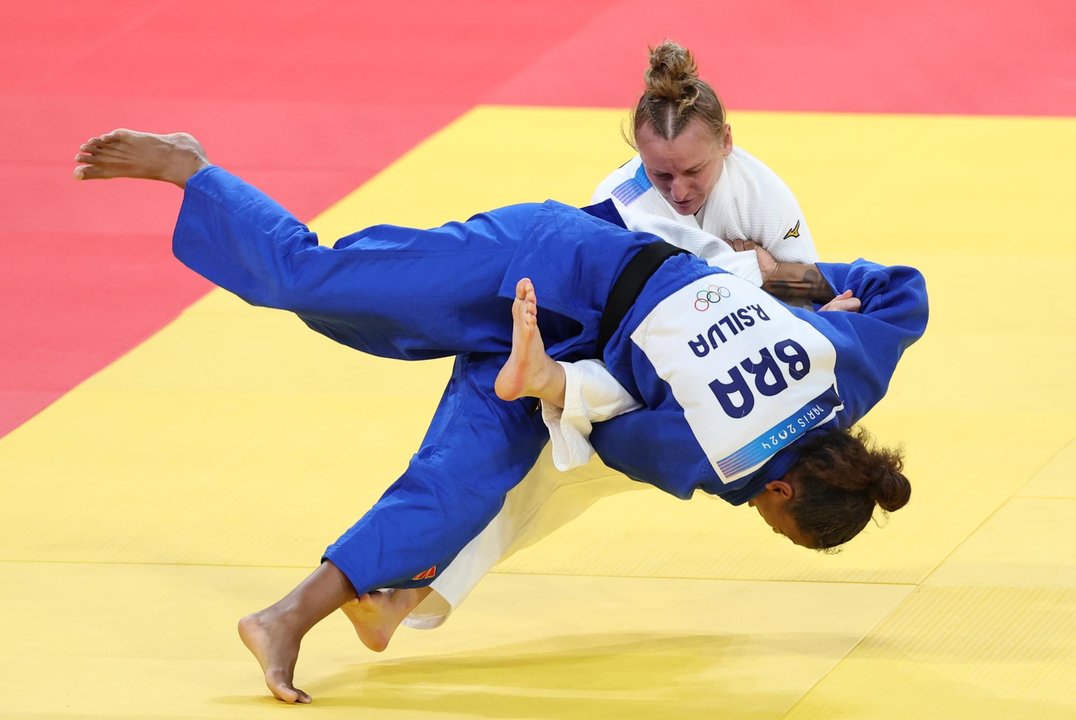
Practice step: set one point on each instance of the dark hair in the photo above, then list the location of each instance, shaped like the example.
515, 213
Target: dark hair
674, 95
839, 478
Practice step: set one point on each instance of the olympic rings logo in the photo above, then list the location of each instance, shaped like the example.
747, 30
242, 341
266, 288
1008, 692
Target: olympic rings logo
710, 296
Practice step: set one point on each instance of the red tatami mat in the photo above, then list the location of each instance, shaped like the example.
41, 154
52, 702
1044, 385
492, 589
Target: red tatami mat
310, 99
306, 99
996, 57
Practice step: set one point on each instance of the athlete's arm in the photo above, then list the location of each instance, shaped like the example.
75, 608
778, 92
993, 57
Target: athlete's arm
793, 282
798, 282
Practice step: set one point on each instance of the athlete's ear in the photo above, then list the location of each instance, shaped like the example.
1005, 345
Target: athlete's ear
781, 487
726, 143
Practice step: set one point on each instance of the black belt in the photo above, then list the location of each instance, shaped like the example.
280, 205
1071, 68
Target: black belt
628, 286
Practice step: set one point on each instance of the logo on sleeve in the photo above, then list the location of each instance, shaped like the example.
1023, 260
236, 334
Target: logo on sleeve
793, 232
426, 574
633, 188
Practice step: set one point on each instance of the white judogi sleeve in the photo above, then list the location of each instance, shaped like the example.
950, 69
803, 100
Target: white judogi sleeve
590, 395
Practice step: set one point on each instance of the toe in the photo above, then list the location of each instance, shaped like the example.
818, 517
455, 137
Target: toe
283, 691
89, 172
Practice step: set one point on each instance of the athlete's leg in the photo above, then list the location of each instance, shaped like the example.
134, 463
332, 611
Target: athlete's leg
527, 513
543, 501
386, 290
273, 635
530, 372
477, 448
390, 291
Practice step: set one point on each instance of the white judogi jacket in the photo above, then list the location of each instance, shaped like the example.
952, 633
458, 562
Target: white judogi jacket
749, 202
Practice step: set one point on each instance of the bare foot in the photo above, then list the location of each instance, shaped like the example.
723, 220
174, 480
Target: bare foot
376, 615
127, 153
276, 648
529, 372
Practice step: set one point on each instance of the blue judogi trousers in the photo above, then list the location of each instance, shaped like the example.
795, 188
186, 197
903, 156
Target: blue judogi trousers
414, 294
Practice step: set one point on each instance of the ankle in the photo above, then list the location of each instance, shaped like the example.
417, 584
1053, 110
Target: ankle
182, 164
549, 383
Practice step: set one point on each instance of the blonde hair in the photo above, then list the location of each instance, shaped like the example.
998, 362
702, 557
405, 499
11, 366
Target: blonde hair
675, 95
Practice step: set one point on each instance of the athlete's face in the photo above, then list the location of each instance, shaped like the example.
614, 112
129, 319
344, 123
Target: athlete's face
772, 505
685, 169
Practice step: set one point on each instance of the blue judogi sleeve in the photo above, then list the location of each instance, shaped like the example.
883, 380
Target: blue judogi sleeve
657, 446
870, 342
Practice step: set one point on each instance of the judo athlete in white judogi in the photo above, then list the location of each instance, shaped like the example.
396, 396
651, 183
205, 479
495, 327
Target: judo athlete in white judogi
690, 186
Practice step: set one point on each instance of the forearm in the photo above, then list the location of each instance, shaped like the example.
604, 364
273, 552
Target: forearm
798, 282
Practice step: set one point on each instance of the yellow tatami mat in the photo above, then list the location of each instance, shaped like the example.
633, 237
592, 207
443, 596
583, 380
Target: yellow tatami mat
200, 476
151, 641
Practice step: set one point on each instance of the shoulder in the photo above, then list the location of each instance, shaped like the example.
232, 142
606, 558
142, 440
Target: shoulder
752, 174
757, 191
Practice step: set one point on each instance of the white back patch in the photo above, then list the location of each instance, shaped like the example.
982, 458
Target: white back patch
751, 376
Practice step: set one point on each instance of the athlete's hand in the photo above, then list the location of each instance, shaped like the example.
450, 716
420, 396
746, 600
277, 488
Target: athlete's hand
767, 264
845, 302
742, 245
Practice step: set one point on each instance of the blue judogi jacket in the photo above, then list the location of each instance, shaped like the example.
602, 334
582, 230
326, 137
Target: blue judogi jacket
729, 377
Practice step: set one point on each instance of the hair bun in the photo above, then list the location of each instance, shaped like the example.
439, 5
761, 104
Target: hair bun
672, 69
674, 96
674, 59
890, 489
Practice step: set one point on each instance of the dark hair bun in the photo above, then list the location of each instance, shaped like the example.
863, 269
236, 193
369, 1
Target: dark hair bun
890, 489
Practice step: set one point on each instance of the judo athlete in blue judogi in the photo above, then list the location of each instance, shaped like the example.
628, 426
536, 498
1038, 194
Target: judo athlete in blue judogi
733, 383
